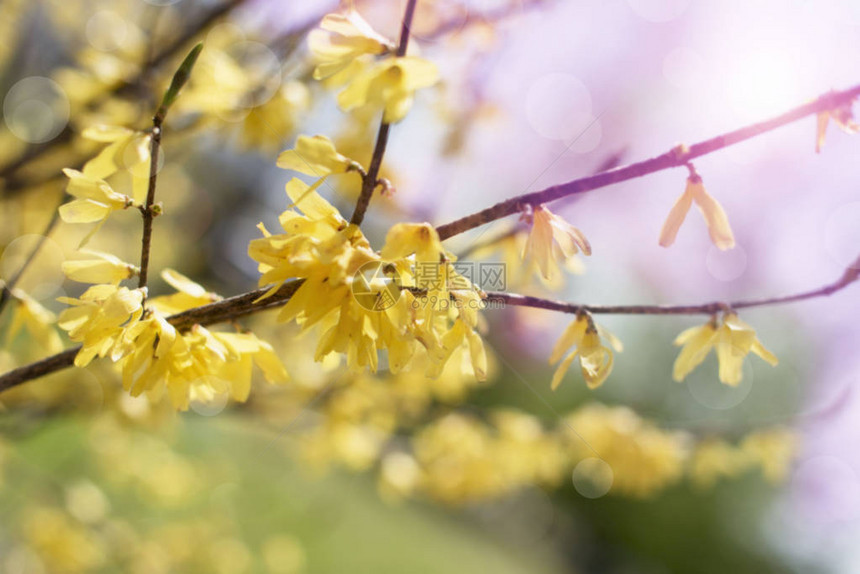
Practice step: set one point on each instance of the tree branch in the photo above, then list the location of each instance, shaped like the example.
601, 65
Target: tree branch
670, 159
371, 179
218, 312
246, 304
848, 277
6, 293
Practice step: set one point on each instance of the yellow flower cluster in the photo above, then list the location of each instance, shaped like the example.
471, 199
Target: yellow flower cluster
772, 450
109, 321
400, 309
644, 458
345, 48
458, 459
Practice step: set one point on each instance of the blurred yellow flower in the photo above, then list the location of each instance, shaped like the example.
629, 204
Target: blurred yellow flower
773, 450
390, 85
595, 359
341, 39
713, 459
715, 217
733, 340
552, 239
644, 458
38, 321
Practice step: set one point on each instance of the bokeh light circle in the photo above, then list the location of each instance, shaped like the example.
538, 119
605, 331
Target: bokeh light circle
593, 477
559, 107
107, 31
210, 403
707, 390
36, 109
726, 265
685, 69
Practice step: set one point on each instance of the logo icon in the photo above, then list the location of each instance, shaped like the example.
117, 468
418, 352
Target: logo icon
377, 286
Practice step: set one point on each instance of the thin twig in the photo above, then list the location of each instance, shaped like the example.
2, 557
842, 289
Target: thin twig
672, 158
848, 277
371, 179
148, 210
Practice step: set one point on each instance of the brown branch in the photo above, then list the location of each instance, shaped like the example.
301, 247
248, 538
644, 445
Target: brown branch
219, 312
848, 277
148, 210
246, 304
370, 181
670, 159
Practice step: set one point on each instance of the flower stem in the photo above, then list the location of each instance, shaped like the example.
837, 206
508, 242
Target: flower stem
370, 181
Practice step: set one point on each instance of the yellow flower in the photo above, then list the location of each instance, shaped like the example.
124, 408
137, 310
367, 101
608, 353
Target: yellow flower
733, 340
341, 39
105, 268
314, 156
188, 294
552, 239
842, 116
718, 224
99, 318
509, 249
95, 199
595, 359
128, 150
390, 85
244, 351
38, 321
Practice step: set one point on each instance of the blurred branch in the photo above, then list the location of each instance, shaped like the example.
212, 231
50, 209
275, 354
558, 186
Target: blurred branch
676, 157
6, 293
850, 276
370, 180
